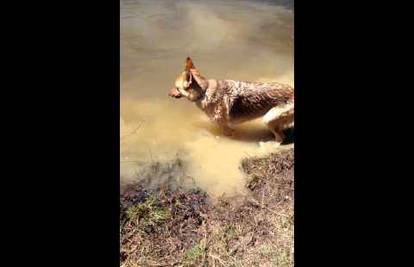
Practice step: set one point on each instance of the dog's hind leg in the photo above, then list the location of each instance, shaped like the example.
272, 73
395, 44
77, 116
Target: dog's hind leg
277, 118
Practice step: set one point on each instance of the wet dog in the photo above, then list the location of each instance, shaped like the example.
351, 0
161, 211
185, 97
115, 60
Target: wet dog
228, 102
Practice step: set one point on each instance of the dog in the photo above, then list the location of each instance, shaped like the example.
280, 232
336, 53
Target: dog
228, 102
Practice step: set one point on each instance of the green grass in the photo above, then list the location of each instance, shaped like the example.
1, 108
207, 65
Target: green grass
148, 213
194, 253
266, 250
230, 232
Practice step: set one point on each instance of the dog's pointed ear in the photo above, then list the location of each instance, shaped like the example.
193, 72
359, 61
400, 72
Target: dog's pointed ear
188, 79
189, 64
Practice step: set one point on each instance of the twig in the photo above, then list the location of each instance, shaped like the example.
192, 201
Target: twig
126, 161
217, 258
133, 131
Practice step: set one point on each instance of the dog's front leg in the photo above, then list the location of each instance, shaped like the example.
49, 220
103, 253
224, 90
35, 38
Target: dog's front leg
224, 126
227, 131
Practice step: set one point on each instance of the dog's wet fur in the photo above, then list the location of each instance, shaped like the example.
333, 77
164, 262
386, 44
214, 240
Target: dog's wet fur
228, 102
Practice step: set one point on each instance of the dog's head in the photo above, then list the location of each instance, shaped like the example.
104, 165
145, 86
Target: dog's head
186, 83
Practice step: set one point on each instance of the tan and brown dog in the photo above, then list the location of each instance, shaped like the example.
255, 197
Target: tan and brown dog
229, 102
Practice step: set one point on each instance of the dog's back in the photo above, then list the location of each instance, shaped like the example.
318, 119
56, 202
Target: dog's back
250, 100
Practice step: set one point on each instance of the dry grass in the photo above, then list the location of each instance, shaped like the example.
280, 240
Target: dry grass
165, 227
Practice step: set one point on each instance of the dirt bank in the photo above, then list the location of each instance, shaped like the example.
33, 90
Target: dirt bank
172, 226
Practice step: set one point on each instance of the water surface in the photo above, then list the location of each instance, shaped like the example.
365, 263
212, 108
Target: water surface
240, 40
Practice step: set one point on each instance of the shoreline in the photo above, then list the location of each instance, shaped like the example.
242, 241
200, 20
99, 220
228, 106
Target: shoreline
174, 225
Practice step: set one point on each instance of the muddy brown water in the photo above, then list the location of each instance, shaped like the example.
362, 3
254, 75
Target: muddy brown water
240, 40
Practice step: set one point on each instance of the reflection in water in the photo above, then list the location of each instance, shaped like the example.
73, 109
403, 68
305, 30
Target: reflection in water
240, 40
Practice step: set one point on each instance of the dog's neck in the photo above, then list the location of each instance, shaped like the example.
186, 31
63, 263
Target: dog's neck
208, 95
206, 87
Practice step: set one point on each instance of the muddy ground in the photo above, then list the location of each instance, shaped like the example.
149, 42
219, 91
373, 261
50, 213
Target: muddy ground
171, 225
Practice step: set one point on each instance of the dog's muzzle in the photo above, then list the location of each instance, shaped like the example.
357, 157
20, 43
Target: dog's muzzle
175, 93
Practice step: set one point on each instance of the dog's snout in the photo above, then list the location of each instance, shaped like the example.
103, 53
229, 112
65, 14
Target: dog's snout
171, 92
174, 93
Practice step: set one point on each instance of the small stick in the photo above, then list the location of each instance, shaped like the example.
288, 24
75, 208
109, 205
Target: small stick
217, 258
